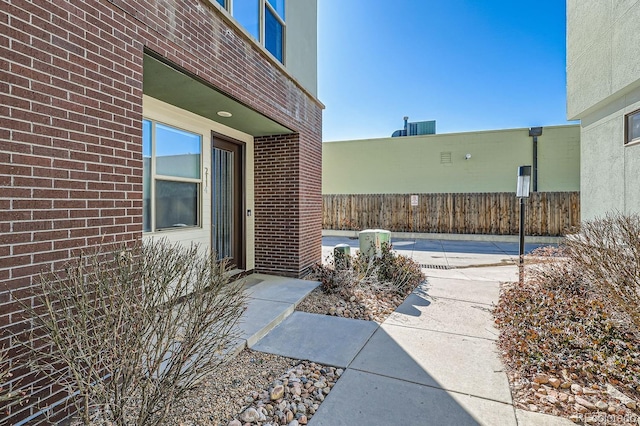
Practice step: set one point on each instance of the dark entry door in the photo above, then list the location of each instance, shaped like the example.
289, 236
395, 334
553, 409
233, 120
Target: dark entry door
227, 204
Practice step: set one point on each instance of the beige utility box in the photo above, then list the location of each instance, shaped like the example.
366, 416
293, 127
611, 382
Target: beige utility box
371, 241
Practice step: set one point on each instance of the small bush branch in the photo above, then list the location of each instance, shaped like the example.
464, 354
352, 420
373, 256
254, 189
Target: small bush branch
8, 398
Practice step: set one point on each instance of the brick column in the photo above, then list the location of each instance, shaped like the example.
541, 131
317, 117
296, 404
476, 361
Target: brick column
288, 204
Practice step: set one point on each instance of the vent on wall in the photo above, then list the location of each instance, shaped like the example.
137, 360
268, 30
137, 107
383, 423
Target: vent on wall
445, 157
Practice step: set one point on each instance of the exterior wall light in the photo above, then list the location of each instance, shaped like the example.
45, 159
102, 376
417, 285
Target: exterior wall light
225, 114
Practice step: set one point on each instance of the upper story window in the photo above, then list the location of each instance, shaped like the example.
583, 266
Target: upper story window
632, 127
171, 177
263, 19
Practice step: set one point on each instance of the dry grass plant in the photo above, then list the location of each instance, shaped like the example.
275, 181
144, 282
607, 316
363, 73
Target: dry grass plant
127, 331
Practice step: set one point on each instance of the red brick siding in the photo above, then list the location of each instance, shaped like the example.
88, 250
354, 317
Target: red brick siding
310, 245
288, 205
70, 137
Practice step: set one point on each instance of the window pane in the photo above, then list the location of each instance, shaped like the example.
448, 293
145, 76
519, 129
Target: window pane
633, 126
273, 34
223, 3
278, 6
247, 12
177, 152
176, 204
146, 175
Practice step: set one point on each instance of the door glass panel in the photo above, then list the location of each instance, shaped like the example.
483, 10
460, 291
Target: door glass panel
222, 183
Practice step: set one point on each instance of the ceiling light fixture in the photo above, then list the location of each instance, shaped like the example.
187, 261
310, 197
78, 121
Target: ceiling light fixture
225, 114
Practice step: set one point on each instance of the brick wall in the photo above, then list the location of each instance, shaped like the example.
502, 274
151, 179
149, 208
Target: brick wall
288, 205
310, 202
70, 137
277, 217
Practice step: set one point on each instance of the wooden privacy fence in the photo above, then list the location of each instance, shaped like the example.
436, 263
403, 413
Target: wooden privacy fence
548, 213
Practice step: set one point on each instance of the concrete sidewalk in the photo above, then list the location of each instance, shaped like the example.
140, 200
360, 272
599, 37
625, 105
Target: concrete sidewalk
433, 361
270, 300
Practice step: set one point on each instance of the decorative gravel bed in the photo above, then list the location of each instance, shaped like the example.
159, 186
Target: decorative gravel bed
258, 389
269, 390
261, 389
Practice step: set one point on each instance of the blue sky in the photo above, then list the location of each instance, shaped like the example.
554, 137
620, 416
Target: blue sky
468, 64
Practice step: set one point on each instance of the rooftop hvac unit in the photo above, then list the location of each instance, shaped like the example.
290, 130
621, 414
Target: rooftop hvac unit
417, 128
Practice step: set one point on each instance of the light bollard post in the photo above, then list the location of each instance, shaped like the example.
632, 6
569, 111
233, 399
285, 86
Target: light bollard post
522, 192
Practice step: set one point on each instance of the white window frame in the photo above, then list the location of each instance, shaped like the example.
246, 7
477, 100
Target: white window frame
627, 130
155, 177
262, 4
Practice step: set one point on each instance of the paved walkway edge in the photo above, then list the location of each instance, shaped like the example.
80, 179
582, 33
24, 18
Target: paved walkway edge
451, 237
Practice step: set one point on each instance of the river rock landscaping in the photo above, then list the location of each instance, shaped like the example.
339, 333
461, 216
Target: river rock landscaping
363, 305
258, 389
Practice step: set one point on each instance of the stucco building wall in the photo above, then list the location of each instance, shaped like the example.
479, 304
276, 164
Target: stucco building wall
438, 164
603, 84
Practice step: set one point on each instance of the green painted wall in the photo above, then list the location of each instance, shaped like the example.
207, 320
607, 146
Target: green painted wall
418, 164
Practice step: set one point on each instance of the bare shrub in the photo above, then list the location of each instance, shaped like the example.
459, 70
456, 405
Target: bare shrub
576, 316
607, 252
400, 272
556, 324
390, 272
128, 330
334, 280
